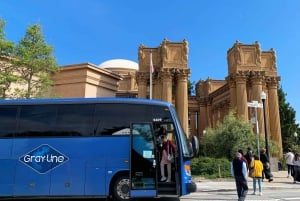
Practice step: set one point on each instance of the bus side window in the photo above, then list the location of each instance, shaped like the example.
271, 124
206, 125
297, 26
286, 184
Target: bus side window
8, 121
118, 117
74, 120
36, 121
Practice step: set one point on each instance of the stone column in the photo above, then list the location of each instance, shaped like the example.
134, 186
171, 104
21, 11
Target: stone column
181, 101
166, 85
209, 114
202, 117
241, 95
132, 81
232, 91
193, 126
157, 86
142, 85
256, 80
273, 114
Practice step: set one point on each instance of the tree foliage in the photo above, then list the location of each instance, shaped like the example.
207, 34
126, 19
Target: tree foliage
191, 88
35, 63
26, 68
6, 47
7, 76
287, 121
230, 135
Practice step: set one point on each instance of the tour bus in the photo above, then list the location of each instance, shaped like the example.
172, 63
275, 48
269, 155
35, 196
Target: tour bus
91, 148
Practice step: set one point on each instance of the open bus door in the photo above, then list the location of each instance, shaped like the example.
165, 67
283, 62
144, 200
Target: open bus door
142, 161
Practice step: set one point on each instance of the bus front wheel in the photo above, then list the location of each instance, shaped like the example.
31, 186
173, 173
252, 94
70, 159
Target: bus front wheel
121, 189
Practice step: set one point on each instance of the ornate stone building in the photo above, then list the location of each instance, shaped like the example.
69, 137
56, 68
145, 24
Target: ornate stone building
250, 71
170, 76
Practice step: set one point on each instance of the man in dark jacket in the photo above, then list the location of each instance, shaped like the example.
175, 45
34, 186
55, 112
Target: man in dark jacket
266, 162
240, 173
249, 155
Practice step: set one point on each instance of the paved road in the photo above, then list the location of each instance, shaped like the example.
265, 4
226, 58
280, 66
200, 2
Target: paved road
225, 189
280, 181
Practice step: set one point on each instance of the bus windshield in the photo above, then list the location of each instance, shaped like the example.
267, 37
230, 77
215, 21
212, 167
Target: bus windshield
182, 135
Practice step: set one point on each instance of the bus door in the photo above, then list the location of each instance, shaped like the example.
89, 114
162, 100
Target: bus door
142, 161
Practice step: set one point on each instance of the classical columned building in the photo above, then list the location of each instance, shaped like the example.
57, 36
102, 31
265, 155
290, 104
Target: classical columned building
250, 71
170, 76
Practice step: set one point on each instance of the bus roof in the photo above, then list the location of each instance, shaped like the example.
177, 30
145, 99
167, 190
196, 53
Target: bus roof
83, 100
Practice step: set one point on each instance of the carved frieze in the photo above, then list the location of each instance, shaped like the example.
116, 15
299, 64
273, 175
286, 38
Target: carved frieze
174, 55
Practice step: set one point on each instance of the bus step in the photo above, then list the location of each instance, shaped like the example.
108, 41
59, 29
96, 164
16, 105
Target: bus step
166, 188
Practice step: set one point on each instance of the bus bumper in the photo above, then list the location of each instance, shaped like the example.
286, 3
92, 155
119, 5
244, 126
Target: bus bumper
191, 187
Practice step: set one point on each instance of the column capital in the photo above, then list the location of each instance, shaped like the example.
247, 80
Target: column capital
142, 77
272, 82
167, 73
256, 77
241, 77
182, 73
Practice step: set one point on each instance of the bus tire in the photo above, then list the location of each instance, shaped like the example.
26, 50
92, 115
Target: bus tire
121, 188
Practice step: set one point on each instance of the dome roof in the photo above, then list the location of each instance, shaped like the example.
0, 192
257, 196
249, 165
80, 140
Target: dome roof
119, 63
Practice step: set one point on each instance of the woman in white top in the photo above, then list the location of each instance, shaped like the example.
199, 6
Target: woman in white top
289, 159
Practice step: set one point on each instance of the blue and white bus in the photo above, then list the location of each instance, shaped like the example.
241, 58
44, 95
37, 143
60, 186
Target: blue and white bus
90, 147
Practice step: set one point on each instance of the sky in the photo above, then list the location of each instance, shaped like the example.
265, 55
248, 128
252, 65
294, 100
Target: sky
95, 31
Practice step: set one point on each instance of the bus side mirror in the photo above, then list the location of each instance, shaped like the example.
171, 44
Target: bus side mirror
195, 146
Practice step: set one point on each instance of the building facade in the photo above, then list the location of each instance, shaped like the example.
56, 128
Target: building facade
250, 71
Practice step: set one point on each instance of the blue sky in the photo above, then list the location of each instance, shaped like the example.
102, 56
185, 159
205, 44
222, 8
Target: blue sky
98, 30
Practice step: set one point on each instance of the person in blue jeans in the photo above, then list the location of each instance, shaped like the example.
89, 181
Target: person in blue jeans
240, 173
258, 168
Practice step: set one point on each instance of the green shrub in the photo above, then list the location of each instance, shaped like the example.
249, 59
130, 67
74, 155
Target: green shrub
210, 167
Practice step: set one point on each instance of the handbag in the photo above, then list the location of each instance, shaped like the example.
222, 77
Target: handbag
170, 156
267, 166
251, 171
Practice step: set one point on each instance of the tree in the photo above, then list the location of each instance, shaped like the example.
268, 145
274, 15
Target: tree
287, 121
7, 77
35, 63
191, 89
230, 135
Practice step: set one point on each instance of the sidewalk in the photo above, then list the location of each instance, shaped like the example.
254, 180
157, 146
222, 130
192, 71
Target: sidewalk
280, 181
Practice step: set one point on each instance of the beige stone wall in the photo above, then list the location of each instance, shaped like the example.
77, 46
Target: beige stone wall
84, 80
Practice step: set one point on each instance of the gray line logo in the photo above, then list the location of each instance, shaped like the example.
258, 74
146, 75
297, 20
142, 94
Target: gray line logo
43, 159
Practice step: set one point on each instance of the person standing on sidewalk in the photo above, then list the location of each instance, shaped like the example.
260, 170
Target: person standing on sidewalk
289, 158
249, 155
257, 166
239, 171
266, 163
244, 158
296, 163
